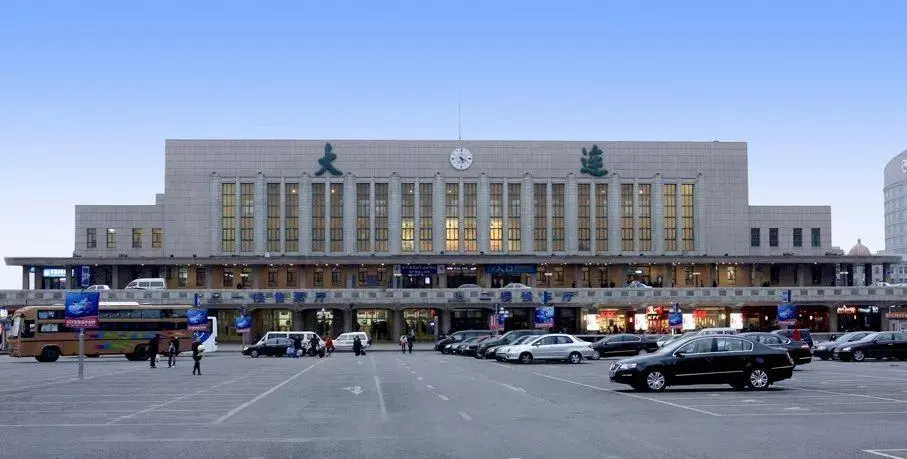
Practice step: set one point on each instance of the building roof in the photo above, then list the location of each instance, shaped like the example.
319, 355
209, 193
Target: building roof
859, 250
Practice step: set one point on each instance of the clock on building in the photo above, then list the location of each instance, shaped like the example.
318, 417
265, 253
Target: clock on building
461, 158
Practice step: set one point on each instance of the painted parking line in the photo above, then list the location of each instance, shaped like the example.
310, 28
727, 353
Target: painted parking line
889, 453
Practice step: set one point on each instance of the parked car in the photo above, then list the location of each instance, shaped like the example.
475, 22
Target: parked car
501, 351
550, 347
789, 333
624, 344
705, 359
488, 346
517, 286
468, 286
274, 347
799, 350
458, 348
471, 347
637, 284
717, 331
882, 345
151, 283
458, 337
344, 342
97, 288
826, 350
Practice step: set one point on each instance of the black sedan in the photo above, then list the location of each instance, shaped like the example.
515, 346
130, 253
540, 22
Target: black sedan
718, 359
471, 347
892, 345
624, 344
274, 347
799, 350
826, 350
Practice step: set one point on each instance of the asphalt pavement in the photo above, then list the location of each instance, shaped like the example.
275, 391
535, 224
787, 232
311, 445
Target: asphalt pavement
420, 405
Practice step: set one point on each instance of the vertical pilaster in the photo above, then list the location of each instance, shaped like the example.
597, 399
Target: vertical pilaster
593, 213
678, 198
371, 215
637, 206
439, 191
527, 214
506, 215
393, 214
305, 216
417, 215
215, 221
460, 229
349, 214
699, 215
328, 198
614, 223
260, 234
237, 211
283, 215
550, 210
571, 215
658, 215
483, 212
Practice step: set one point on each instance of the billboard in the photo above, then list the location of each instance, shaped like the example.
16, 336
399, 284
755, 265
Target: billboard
544, 317
82, 309
787, 313
198, 319
243, 323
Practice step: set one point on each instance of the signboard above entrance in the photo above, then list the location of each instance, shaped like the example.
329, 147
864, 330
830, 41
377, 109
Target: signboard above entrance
498, 270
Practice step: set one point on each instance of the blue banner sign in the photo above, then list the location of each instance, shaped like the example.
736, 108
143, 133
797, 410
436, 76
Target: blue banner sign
499, 270
82, 309
787, 313
418, 270
243, 323
197, 319
544, 317
85, 276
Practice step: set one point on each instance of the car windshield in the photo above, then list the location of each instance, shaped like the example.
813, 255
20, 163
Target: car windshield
523, 339
673, 345
870, 337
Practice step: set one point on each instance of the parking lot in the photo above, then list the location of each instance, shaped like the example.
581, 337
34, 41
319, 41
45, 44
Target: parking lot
425, 404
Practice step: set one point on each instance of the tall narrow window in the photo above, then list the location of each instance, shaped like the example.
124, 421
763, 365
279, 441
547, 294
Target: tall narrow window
514, 231
470, 217
426, 214
670, 197
291, 232
201, 276
318, 217
228, 217
137, 236
601, 217
157, 238
496, 218
111, 238
798, 237
452, 217
584, 214
91, 238
557, 217
540, 229
291, 276
336, 217
627, 204
687, 195
816, 237
381, 206
246, 216
773, 237
645, 217
755, 237
273, 217
363, 217
408, 217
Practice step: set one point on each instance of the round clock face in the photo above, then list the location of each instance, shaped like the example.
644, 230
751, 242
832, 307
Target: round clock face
461, 159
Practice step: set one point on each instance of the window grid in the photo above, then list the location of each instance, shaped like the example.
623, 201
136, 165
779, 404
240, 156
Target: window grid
601, 217
246, 216
773, 237
318, 217
381, 206
91, 238
496, 218
291, 276
228, 217
111, 238
201, 276
670, 197
452, 217
645, 217
137, 236
363, 217
408, 217
336, 217
291, 213
514, 231
272, 277
816, 237
273, 217
584, 216
540, 229
626, 217
157, 238
755, 237
798, 237
687, 194
426, 214
470, 217
557, 217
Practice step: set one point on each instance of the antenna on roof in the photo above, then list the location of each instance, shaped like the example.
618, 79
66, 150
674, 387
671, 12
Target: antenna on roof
459, 120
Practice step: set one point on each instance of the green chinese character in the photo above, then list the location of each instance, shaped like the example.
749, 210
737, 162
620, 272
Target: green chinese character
327, 162
592, 162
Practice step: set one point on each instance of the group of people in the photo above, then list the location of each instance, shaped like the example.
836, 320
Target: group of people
297, 350
407, 342
173, 350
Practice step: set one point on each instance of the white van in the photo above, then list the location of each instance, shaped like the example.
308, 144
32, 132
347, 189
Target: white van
344, 342
150, 283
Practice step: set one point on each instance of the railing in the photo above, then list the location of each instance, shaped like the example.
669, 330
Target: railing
477, 296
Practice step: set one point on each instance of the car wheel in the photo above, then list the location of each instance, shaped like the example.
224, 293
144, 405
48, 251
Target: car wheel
526, 358
596, 355
50, 354
141, 352
655, 380
642, 352
858, 356
575, 358
445, 351
757, 379
254, 354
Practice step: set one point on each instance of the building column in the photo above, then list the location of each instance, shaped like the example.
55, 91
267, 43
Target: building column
445, 322
549, 212
237, 210
349, 214
658, 215
282, 232
527, 214
305, 216
26, 285
460, 229
260, 234
371, 215
593, 213
215, 235
417, 216
394, 220
571, 214
801, 275
614, 215
833, 319
396, 325
439, 192
699, 216
505, 213
328, 197
114, 277
348, 320
636, 214
678, 200
867, 274
483, 213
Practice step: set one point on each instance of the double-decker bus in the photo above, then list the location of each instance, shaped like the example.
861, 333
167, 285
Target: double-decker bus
124, 329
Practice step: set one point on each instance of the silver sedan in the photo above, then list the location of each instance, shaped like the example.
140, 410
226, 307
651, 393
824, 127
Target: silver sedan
550, 347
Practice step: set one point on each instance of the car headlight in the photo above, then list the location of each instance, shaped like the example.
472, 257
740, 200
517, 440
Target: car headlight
245, 349
846, 349
626, 366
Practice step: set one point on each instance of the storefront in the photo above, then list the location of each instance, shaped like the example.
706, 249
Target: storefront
226, 325
519, 319
468, 319
458, 275
711, 317
324, 322
374, 322
416, 276
859, 318
501, 275
655, 320
897, 321
765, 318
608, 320
54, 279
419, 321
565, 320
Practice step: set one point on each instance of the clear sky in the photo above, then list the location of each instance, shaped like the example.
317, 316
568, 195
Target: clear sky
90, 90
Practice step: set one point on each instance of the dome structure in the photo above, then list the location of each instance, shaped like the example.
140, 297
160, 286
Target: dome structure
859, 250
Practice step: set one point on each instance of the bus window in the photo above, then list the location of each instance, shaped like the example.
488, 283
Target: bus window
14, 330
28, 329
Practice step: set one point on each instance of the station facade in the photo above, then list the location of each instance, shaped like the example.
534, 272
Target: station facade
285, 215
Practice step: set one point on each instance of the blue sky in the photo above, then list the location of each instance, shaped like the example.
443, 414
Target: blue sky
90, 90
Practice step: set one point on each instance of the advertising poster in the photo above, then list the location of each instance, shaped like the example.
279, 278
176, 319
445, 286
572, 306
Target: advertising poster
787, 314
675, 320
198, 319
82, 309
243, 324
544, 317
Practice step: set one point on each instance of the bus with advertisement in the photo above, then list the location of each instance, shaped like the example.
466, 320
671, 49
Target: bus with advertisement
124, 329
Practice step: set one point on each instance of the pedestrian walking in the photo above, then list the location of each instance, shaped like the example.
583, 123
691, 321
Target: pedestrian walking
154, 348
329, 344
357, 346
197, 351
171, 352
403, 343
297, 347
410, 340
